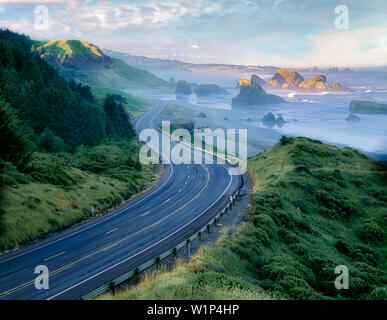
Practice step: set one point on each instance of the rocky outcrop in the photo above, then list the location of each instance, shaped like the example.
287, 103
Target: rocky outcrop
338, 87
280, 121
367, 107
243, 82
352, 117
286, 79
316, 83
270, 120
209, 89
257, 80
290, 79
252, 94
183, 88
319, 83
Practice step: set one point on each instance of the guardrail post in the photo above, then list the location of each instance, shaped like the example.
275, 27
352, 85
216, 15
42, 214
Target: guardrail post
189, 249
136, 272
208, 228
200, 235
111, 288
174, 252
157, 261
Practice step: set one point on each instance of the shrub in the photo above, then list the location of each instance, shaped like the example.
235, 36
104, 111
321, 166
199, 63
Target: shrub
281, 217
288, 237
265, 222
286, 140
49, 142
342, 247
303, 225
378, 294
47, 168
370, 231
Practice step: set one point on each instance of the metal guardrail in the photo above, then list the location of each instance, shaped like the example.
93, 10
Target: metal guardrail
165, 254
162, 256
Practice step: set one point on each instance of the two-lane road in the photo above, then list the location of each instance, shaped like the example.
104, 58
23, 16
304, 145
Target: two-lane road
94, 253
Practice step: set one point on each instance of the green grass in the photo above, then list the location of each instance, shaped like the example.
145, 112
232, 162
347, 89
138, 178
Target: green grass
61, 189
63, 49
213, 273
82, 60
314, 207
320, 207
136, 106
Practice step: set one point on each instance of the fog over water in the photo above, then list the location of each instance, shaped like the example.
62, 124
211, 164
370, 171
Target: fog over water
319, 115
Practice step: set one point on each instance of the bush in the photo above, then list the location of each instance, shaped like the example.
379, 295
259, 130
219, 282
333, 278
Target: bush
282, 218
370, 231
47, 168
286, 140
378, 294
266, 223
49, 142
288, 237
343, 247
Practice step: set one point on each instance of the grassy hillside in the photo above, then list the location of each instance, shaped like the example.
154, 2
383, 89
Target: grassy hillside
314, 207
63, 150
60, 189
85, 62
63, 49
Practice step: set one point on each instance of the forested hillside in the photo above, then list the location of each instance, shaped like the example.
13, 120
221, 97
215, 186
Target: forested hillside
56, 141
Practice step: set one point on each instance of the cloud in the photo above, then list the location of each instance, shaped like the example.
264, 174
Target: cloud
30, 1
260, 32
352, 47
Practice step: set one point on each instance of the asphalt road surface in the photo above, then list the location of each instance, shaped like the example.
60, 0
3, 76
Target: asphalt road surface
87, 256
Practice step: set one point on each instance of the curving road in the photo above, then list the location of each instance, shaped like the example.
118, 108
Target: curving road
91, 254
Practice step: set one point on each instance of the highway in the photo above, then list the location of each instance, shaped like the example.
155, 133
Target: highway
91, 254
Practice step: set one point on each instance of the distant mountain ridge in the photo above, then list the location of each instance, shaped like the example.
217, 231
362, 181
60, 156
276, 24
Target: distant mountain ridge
87, 63
152, 64
147, 63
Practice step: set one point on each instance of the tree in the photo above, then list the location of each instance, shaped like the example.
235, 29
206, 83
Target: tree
84, 91
15, 147
117, 119
41, 98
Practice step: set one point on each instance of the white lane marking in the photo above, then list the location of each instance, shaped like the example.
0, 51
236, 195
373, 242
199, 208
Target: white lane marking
58, 254
144, 214
167, 200
136, 254
111, 231
95, 224
179, 191
188, 176
185, 182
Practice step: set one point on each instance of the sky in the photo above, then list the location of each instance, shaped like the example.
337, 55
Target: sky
291, 33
